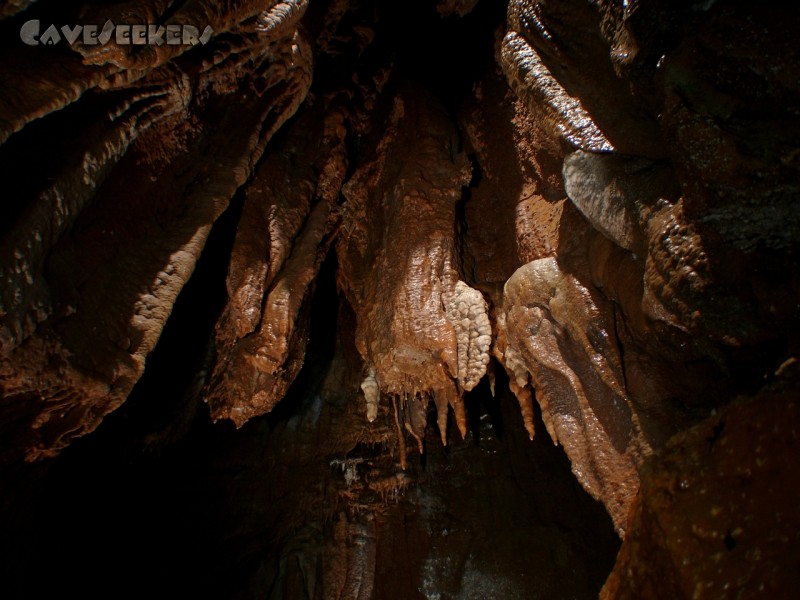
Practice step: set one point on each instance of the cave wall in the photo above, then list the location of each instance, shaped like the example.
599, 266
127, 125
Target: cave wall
101, 247
597, 198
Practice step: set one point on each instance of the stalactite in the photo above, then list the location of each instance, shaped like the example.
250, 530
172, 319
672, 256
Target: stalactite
372, 394
260, 365
582, 399
442, 416
611, 214
401, 438
126, 281
525, 399
426, 332
417, 418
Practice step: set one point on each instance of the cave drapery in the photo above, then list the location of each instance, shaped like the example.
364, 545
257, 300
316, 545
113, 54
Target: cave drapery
362, 221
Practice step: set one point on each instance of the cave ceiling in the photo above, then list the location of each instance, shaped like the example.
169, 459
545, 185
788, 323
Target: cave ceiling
591, 204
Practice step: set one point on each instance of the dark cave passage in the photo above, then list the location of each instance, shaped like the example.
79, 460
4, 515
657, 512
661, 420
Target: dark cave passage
183, 507
444, 55
213, 514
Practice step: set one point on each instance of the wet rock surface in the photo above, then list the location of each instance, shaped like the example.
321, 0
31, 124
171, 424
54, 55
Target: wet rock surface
701, 511
93, 264
343, 237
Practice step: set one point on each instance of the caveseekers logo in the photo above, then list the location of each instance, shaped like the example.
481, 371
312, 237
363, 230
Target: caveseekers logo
136, 35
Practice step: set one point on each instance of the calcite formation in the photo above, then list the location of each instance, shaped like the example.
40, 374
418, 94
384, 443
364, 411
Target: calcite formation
548, 99
421, 330
92, 266
619, 195
372, 395
467, 312
603, 207
285, 234
558, 341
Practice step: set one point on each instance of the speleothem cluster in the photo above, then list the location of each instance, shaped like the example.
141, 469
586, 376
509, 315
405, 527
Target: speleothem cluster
603, 209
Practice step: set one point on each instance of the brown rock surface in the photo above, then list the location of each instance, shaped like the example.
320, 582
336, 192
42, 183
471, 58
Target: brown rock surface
686, 315
716, 515
557, 336
560, 65
420, 329
93, 265
284, 235
597, 197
